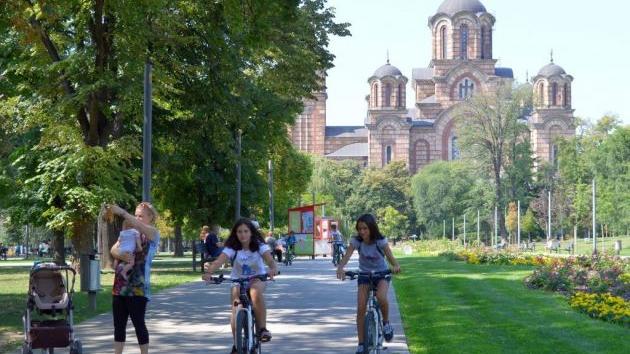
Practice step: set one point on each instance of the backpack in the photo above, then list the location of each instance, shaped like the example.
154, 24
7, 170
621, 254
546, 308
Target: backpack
378, 248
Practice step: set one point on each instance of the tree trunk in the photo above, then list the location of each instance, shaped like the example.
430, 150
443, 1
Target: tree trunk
58, 249
179, 250
107, 240
82, 239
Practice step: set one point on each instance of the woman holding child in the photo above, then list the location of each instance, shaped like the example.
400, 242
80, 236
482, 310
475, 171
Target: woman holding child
131, 291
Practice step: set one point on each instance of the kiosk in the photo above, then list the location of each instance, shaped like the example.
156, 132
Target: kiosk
311, 230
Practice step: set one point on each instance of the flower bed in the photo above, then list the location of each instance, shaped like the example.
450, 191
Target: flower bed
603, 306
487, 256
598, 285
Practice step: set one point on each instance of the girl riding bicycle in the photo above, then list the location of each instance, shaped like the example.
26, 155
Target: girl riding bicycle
373, 248
246, 249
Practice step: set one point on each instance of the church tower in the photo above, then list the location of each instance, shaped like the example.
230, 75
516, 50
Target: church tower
388, 127
308, 133
553, 115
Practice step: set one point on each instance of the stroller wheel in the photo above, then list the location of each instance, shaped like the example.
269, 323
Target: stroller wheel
76, 347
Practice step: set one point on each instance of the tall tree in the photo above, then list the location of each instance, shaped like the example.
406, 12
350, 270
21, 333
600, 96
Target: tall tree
492, 125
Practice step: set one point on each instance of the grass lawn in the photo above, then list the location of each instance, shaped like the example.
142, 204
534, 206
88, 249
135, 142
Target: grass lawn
454, 307
166, 272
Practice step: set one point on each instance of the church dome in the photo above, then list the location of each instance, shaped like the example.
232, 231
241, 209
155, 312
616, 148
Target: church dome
451, 7
387, 70
551, 69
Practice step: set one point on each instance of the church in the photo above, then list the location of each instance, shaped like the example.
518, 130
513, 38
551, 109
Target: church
462, 65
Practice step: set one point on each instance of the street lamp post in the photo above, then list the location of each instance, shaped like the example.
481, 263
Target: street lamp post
237, 207
594, 222
271, 211
478, 240
518, 224
147, 134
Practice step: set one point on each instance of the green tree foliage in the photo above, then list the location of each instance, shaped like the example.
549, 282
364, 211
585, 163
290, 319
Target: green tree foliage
380, 188
493, 137
72, 95
445, 190
529, 223
392, 223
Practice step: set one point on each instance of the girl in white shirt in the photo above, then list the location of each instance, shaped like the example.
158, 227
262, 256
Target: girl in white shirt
247, 250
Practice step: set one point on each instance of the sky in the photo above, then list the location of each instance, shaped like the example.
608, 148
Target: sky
589, 39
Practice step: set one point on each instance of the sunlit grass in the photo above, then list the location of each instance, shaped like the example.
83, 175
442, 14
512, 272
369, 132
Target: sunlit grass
454, 307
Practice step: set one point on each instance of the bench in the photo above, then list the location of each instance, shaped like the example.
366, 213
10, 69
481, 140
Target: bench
553, 245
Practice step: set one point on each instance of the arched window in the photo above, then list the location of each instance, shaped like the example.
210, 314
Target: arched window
466, 88
565, 95
388, 154
483, 42
554, 94
400, 96
541, 94
454, 149
554, 155
443, 41
463, 37
375, 95
387, 95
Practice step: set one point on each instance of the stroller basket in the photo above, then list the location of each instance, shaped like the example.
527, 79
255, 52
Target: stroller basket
50, 334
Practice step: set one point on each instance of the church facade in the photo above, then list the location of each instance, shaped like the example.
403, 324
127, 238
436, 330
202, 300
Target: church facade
462, 65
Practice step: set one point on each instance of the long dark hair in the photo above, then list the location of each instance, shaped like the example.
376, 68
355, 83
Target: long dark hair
256, 239
370, 221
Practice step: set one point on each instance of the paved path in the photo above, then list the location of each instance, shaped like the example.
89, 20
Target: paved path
310, 312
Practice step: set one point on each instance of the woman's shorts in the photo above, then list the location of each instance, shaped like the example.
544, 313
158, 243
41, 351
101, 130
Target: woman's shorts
376, 280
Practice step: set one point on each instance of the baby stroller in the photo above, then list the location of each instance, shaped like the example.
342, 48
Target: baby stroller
50, 297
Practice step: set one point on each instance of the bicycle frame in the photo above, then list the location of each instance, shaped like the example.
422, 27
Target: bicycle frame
373, 327
244, 308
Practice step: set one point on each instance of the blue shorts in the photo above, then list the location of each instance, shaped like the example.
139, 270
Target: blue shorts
376, 280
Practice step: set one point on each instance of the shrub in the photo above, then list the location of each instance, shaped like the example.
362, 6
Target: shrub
606, 307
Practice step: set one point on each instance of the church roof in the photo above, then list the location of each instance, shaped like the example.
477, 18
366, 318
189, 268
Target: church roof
451, 7
504, 72
346, 131
422, 74
352, 150
551, 69
387, 70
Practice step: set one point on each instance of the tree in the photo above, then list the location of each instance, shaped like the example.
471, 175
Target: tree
445, 190
393, 224
492, 126
529, 223
511, 222
380, 188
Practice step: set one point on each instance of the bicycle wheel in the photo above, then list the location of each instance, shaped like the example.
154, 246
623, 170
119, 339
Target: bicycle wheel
242, 333
369, 333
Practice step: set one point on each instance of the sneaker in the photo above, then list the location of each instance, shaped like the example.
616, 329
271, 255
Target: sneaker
360, 349
388, 332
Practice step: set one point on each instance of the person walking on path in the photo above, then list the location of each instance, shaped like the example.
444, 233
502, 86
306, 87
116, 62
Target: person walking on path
274, 245
247, 250
373, 249
130, 295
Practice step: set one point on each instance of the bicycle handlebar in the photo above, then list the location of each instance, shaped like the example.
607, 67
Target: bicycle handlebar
220, 279
373, 274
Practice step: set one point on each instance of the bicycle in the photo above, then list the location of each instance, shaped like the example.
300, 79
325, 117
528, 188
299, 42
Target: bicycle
289, 255
247, 342
337, 251
373, 322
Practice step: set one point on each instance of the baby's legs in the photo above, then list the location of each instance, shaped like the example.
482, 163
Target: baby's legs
126, 268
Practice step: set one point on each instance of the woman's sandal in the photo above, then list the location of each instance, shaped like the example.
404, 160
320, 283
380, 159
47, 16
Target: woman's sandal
234, 350
265, 335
